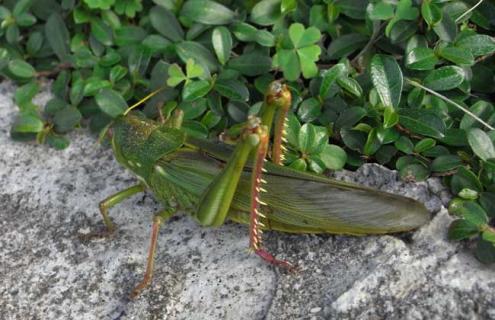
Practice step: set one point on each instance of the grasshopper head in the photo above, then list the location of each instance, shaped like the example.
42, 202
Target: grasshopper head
139, 142
279, 95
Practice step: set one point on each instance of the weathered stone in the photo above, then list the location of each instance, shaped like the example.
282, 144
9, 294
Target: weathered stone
50, 197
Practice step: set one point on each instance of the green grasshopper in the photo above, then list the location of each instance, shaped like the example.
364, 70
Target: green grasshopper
215, 181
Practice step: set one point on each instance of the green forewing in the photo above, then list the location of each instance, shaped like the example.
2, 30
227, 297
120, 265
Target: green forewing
297, 202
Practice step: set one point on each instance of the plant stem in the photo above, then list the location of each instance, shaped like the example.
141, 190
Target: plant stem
455, 104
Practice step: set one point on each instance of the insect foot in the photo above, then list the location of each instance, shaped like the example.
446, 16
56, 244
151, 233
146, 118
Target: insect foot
268, 257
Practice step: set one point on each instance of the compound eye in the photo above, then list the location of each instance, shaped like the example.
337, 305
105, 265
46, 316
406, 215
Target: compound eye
276, 87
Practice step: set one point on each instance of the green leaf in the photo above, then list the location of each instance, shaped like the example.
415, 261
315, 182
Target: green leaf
129, 35
481, 144
195, 90
468, 194
355, 9
54, 105
57, 141
406, 11
302, 37
101, 32
421, 58
315, 164
465, 178
353, 139
221, 40
457, 55
333, 156
266, 12
387, 135
288, 5
462, 229
25, 20
345, 45
157, 44
485, 251
487, 201
414, 172
329, 77
351, 86
128, 7
424, 144
196, 51
423, 122
175, 75
207, 12
94, 85
111, 102
251, 64
390, 117
380, 11
372, 143
248, 33
100, 4
66, 119
21, 69
431, 13
117, 73
289, 62
193, 70
350, 117
446, 29
444, 78
307, 57
57, 35
293, 128
26, 93
489, 235
482, 109
210, 119
309, 110
307, 138
474, 213
446, 163
193, 109
166, 23
265, 38
232, 89
387, 79
299, 164
477, 44
404, 144
27, 123
195, 129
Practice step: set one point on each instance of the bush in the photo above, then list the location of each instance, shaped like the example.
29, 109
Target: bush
405, 83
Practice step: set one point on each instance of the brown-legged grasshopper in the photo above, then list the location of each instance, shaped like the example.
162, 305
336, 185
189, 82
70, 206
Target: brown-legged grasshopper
215, 182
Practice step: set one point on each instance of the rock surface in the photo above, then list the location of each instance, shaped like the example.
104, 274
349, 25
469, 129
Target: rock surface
49, 197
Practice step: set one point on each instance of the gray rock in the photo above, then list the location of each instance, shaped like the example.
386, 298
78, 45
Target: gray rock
50, 197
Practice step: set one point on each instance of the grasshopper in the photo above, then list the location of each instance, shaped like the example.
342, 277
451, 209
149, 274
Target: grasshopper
215, 182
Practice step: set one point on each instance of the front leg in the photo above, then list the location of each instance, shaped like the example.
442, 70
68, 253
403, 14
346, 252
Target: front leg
116, 199
105, 205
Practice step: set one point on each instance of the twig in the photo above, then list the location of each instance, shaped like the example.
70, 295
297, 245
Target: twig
468, 11
368, 45
55, 71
